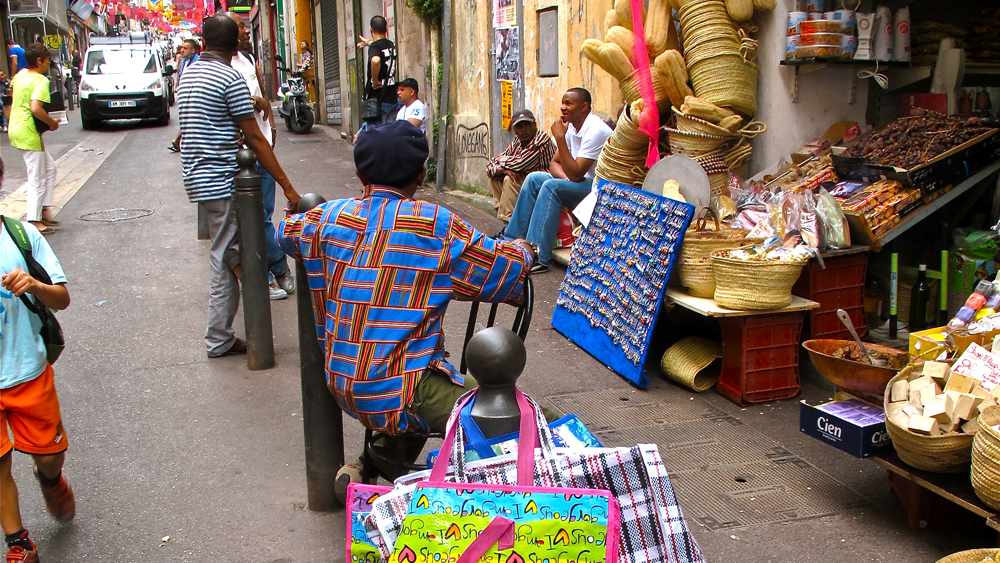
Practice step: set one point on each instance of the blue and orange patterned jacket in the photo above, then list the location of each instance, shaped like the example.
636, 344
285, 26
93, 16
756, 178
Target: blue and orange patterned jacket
382, 270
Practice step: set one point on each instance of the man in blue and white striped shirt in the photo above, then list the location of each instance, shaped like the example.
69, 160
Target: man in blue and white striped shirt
215, 107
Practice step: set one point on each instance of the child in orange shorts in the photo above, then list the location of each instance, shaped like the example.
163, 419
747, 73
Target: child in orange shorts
29, 407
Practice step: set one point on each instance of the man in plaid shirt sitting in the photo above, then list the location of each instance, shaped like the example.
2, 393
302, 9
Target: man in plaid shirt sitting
382, 270
530, 151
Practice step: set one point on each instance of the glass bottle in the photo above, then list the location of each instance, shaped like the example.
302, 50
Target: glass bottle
919, 297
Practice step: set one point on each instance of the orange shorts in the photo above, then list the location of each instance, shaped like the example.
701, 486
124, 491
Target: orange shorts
32, 411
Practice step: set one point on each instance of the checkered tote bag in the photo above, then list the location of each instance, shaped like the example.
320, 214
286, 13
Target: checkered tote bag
652, 524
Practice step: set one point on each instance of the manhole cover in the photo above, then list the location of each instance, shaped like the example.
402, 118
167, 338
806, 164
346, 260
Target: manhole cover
306, 139
116, 215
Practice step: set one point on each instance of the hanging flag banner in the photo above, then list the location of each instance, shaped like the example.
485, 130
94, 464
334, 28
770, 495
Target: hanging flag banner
506, 102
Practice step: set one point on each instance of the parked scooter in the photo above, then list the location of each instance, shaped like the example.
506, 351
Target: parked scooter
295, 107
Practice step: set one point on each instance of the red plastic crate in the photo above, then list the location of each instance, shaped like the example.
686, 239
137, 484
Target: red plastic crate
840, 286
760, 358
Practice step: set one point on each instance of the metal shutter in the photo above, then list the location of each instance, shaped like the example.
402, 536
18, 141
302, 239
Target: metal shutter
331, 61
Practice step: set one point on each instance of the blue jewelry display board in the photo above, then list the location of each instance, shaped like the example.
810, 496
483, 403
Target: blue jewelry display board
611, 295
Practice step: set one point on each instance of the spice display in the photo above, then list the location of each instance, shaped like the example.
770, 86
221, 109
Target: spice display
854, 354
911, 141
619, 266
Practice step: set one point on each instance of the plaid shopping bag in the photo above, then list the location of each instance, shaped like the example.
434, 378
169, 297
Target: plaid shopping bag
653, 529
465, 523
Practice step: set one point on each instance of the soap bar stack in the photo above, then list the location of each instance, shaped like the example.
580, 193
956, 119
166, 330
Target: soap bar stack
936, 402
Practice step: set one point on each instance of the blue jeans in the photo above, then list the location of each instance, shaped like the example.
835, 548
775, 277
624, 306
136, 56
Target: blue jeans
276, 262
536, 214
389, 111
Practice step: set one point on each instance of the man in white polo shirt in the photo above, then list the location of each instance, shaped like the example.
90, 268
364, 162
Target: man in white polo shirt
579, 137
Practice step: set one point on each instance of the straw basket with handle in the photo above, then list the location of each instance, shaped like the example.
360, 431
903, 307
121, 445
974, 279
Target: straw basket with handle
754, 285
990, 555
690, 363
949, 453
696, 261
986, 458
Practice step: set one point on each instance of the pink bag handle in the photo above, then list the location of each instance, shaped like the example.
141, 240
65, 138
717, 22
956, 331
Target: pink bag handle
649, 121
527, 442
500, 531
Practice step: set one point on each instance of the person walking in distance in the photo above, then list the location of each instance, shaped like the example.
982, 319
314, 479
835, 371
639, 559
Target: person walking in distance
29, 406
381, 71
17, 59
189, 51
215, 107
31, 91
281, 281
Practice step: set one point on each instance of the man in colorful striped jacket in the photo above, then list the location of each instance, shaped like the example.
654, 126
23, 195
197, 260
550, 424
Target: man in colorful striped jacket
382, 270
530, 151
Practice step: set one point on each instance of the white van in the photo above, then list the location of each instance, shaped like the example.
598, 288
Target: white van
124, 77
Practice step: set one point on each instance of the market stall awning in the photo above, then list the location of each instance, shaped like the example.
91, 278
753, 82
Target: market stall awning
50, 15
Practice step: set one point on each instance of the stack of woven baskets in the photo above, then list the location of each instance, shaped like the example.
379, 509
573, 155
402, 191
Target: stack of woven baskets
986, 458
623, 159
695, 262
720, 56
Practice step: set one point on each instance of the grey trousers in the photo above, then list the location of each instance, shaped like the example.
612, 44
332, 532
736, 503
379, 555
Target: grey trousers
224, 288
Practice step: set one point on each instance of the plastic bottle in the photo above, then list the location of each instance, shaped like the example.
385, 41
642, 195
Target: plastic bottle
919, 296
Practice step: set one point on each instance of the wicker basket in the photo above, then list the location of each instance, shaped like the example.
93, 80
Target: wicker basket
937, 454
631, 92
726, 80
746, 285
626, 134
986, 458
696, 261
973, 556
694, 144
690, 363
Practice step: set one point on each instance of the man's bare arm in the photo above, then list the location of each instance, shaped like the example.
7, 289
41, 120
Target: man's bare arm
265, 156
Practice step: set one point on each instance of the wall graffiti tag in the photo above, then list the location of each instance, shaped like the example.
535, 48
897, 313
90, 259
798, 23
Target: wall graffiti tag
474, 142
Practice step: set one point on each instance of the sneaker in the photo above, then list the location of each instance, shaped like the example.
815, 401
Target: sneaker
58, 499
350, 473
539, 268
18, 554
276, 292
286, 282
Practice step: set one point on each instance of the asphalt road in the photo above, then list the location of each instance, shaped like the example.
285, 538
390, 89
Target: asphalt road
176, 457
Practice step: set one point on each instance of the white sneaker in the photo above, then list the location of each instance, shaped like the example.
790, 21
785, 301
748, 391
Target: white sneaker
276, 292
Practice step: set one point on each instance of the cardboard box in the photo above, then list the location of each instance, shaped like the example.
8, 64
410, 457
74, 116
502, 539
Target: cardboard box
939, 172
851, 426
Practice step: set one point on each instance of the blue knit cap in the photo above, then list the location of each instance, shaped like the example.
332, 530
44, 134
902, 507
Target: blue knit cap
392, 154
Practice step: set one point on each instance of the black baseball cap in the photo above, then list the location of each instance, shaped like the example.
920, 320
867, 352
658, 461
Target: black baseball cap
410, 83
522, 115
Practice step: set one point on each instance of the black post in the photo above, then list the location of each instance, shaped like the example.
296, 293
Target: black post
496, 359
202, 224
253, 263
322, 419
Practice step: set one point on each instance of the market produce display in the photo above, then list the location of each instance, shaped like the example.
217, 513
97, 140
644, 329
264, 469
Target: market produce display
911, 141
937, 401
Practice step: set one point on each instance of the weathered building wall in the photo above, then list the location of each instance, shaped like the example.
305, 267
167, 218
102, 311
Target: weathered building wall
472, 39
469, 104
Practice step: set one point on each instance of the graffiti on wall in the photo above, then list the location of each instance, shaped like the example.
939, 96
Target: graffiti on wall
474, 142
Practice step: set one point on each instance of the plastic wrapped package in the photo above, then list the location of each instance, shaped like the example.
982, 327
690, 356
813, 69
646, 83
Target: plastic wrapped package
838, 233
791, 208
810, 225
724, 208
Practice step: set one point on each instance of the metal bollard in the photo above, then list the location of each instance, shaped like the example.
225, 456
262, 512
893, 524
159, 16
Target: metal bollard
322, 419
253, 263
202, 223
496, 359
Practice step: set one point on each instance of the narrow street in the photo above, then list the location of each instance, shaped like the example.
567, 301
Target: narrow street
177, 457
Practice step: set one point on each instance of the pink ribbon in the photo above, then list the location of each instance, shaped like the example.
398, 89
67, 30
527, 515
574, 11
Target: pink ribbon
649, 120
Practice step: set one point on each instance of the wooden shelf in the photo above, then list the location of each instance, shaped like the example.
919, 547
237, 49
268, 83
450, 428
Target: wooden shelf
709, 308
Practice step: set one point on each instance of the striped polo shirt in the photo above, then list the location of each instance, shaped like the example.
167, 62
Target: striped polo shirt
212, 99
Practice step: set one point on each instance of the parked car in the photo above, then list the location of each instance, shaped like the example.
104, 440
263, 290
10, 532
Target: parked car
124, 77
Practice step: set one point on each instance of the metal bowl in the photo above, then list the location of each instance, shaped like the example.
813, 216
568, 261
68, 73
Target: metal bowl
849, 373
